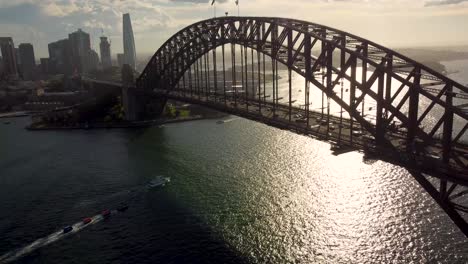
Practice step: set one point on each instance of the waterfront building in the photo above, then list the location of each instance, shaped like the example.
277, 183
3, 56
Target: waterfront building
105, 53
28, 61
128, 42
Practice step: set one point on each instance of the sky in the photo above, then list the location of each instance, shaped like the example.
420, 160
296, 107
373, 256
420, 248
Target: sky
392, 23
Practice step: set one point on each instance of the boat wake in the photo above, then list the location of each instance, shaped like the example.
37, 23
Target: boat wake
79, 226
227, 120
156, 182
52, 238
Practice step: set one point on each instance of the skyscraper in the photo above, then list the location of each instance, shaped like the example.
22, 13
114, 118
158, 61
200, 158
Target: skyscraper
80, 46
128, 42
45, 66
105, 53
120, 59
28, 61
92, 60
60, 57
17, 58
7, 48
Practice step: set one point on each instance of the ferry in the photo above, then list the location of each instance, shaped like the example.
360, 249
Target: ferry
159, 181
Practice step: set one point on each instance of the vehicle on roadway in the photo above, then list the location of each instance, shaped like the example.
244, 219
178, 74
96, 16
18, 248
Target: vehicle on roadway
357, 133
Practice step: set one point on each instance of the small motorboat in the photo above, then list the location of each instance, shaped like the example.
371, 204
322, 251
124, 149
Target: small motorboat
87, 220
122, 208
106, 213
220, 122
67, 229
7, 122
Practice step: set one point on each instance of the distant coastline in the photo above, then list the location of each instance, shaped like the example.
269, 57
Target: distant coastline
114, 125
433, 57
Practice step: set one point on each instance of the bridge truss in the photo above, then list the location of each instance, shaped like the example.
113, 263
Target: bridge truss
420, 119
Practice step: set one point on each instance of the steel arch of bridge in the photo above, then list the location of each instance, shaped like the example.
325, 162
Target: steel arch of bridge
295, 43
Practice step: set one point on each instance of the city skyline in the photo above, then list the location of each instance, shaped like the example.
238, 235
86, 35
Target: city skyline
390, 23
243, 131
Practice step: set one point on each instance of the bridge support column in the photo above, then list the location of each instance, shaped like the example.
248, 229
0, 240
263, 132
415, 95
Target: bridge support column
330, 85
448, 126
130, 103
447, 138
380, 128
352, 95
413, 111
388, 85
309, 75
290, 64
138, 102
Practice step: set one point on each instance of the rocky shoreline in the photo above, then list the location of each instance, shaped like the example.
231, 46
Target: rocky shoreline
115, 125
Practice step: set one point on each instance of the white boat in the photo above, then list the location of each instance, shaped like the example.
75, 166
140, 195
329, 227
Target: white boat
158, 181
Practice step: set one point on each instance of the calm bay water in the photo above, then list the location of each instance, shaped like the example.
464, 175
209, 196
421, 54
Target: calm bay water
458, 70
240, 192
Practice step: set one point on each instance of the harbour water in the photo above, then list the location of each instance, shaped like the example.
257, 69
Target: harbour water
458, 70
240, 192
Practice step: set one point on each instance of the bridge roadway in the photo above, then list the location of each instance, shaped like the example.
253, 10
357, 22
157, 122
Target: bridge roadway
449, 191
342, 134
428, 159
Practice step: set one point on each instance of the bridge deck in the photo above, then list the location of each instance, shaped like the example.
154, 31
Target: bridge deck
340, 132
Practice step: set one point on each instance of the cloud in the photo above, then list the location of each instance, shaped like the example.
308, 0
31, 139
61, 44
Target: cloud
154, 21
198, 1
444, 2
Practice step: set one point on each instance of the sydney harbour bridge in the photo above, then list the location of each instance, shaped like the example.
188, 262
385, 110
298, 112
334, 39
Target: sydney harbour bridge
353, 93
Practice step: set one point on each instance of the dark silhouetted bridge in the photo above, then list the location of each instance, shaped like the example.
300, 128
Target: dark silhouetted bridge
354, 93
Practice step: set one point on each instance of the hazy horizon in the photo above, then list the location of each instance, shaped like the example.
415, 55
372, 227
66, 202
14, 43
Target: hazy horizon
395, 24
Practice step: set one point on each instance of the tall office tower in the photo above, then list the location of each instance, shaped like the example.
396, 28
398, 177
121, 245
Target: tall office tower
92, 60
7, 48
80, 45
60, 57
45, 66
105, 53
28, 61
120, 59
17, 58
128, 42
